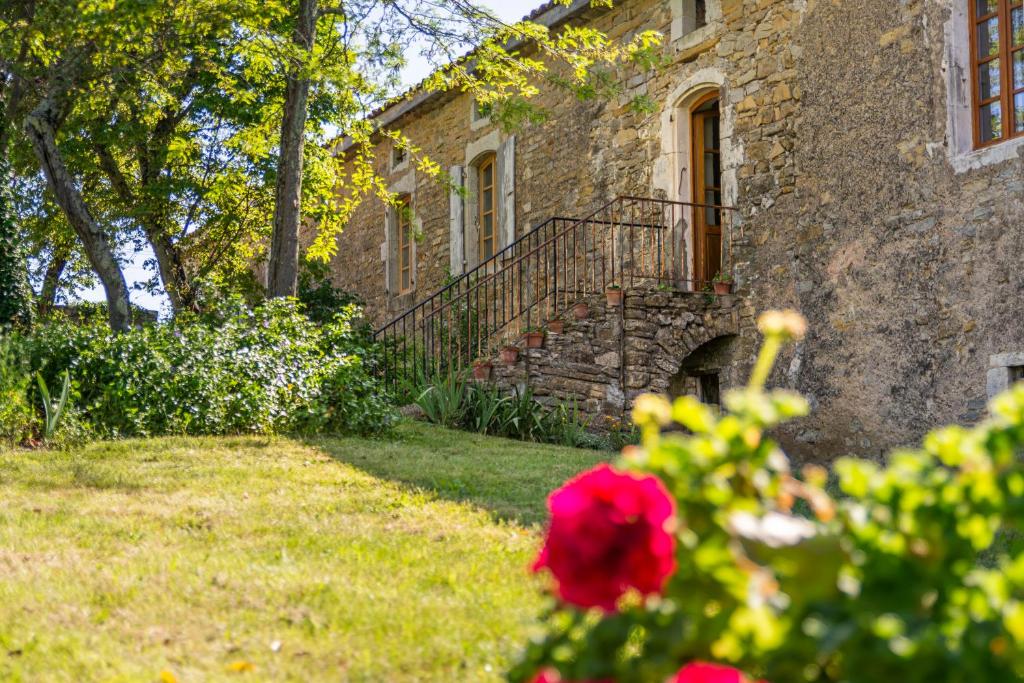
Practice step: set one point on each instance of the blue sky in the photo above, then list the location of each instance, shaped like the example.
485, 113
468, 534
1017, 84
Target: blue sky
508, 10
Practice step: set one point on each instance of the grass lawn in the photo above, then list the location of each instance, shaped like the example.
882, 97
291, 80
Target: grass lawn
397, 559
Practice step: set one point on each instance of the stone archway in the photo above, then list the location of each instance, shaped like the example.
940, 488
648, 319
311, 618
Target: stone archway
669, 335
706, 371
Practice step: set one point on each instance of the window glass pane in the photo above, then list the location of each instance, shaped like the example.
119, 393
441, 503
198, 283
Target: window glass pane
1018, 112
710, 170
988, 38
406, 282
986, 6
989, 80
712, 198
488, 200
991, 123
487, 229
488, 173
1018, 69
710, 133
1017, 25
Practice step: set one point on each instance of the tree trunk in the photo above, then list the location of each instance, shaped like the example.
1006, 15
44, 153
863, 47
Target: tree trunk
283, 275
51, 283
172, 270
177, 283
41, 128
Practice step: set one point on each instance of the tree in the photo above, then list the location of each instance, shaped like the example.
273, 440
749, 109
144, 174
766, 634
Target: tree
15, 296
154, 142
41, 126
283, 275
366, 41
201, 129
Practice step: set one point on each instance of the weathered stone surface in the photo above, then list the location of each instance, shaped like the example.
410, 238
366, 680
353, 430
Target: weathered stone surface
628, 366
851, 210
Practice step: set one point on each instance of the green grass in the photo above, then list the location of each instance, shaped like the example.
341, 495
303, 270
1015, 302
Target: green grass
395, 559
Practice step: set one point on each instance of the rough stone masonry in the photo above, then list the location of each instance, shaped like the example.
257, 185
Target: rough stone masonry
862, 203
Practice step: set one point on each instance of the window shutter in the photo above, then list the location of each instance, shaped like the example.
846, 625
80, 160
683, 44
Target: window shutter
386, 251
457, 222
507, 180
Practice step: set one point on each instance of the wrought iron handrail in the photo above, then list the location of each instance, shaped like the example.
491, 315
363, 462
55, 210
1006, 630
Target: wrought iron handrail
540, 275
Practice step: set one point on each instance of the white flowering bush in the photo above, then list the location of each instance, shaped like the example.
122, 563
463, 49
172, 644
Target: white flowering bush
262, 370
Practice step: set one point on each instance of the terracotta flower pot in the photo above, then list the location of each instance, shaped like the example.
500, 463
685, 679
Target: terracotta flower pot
534, 340
615, 297
581, 310
482, 371
510, 355
556, 326
722, 288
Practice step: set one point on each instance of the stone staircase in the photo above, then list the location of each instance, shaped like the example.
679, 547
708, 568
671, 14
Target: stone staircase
616, 353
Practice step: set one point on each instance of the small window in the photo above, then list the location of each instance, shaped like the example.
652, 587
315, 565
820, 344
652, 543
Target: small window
997, 63
700, 14
487, 205
482, 112
1017, 374
398, 157
403, 222
688, 16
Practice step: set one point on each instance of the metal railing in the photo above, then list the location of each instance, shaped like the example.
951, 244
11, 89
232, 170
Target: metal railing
629, 242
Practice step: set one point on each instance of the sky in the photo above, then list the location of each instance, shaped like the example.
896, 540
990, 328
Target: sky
418, 69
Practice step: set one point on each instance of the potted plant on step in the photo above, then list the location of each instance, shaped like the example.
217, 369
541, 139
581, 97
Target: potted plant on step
556, 326
580, 310
482, 369
534, 338
510, 354
615, 295
722, 283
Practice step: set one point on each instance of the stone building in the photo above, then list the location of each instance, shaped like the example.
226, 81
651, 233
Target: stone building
871, 149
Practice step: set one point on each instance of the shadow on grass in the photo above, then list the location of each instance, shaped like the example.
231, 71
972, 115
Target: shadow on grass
510, 479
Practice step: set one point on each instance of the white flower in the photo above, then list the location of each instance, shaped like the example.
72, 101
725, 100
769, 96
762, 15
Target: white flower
774, 530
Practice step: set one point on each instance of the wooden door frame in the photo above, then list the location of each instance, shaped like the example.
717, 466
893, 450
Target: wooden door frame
700, 277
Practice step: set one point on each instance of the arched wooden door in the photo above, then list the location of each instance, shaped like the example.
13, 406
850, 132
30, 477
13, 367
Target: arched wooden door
706, 145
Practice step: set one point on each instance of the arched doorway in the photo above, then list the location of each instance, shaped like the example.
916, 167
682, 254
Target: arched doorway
706, 162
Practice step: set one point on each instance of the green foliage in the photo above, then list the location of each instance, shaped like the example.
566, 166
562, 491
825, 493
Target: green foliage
17, 418
320, 299
444, 401
236, 370
53, 411
883, 582
15, 294
454, 402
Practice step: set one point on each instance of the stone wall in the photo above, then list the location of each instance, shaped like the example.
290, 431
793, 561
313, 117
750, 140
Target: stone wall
649, 344
858, 205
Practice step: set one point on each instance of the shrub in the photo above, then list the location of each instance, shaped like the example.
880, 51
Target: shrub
320, 299
452, 401
899, 576
235, 371
17, 418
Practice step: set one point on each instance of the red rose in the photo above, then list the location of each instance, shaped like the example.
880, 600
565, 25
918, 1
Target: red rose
551, 676
699, 672
609, 532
